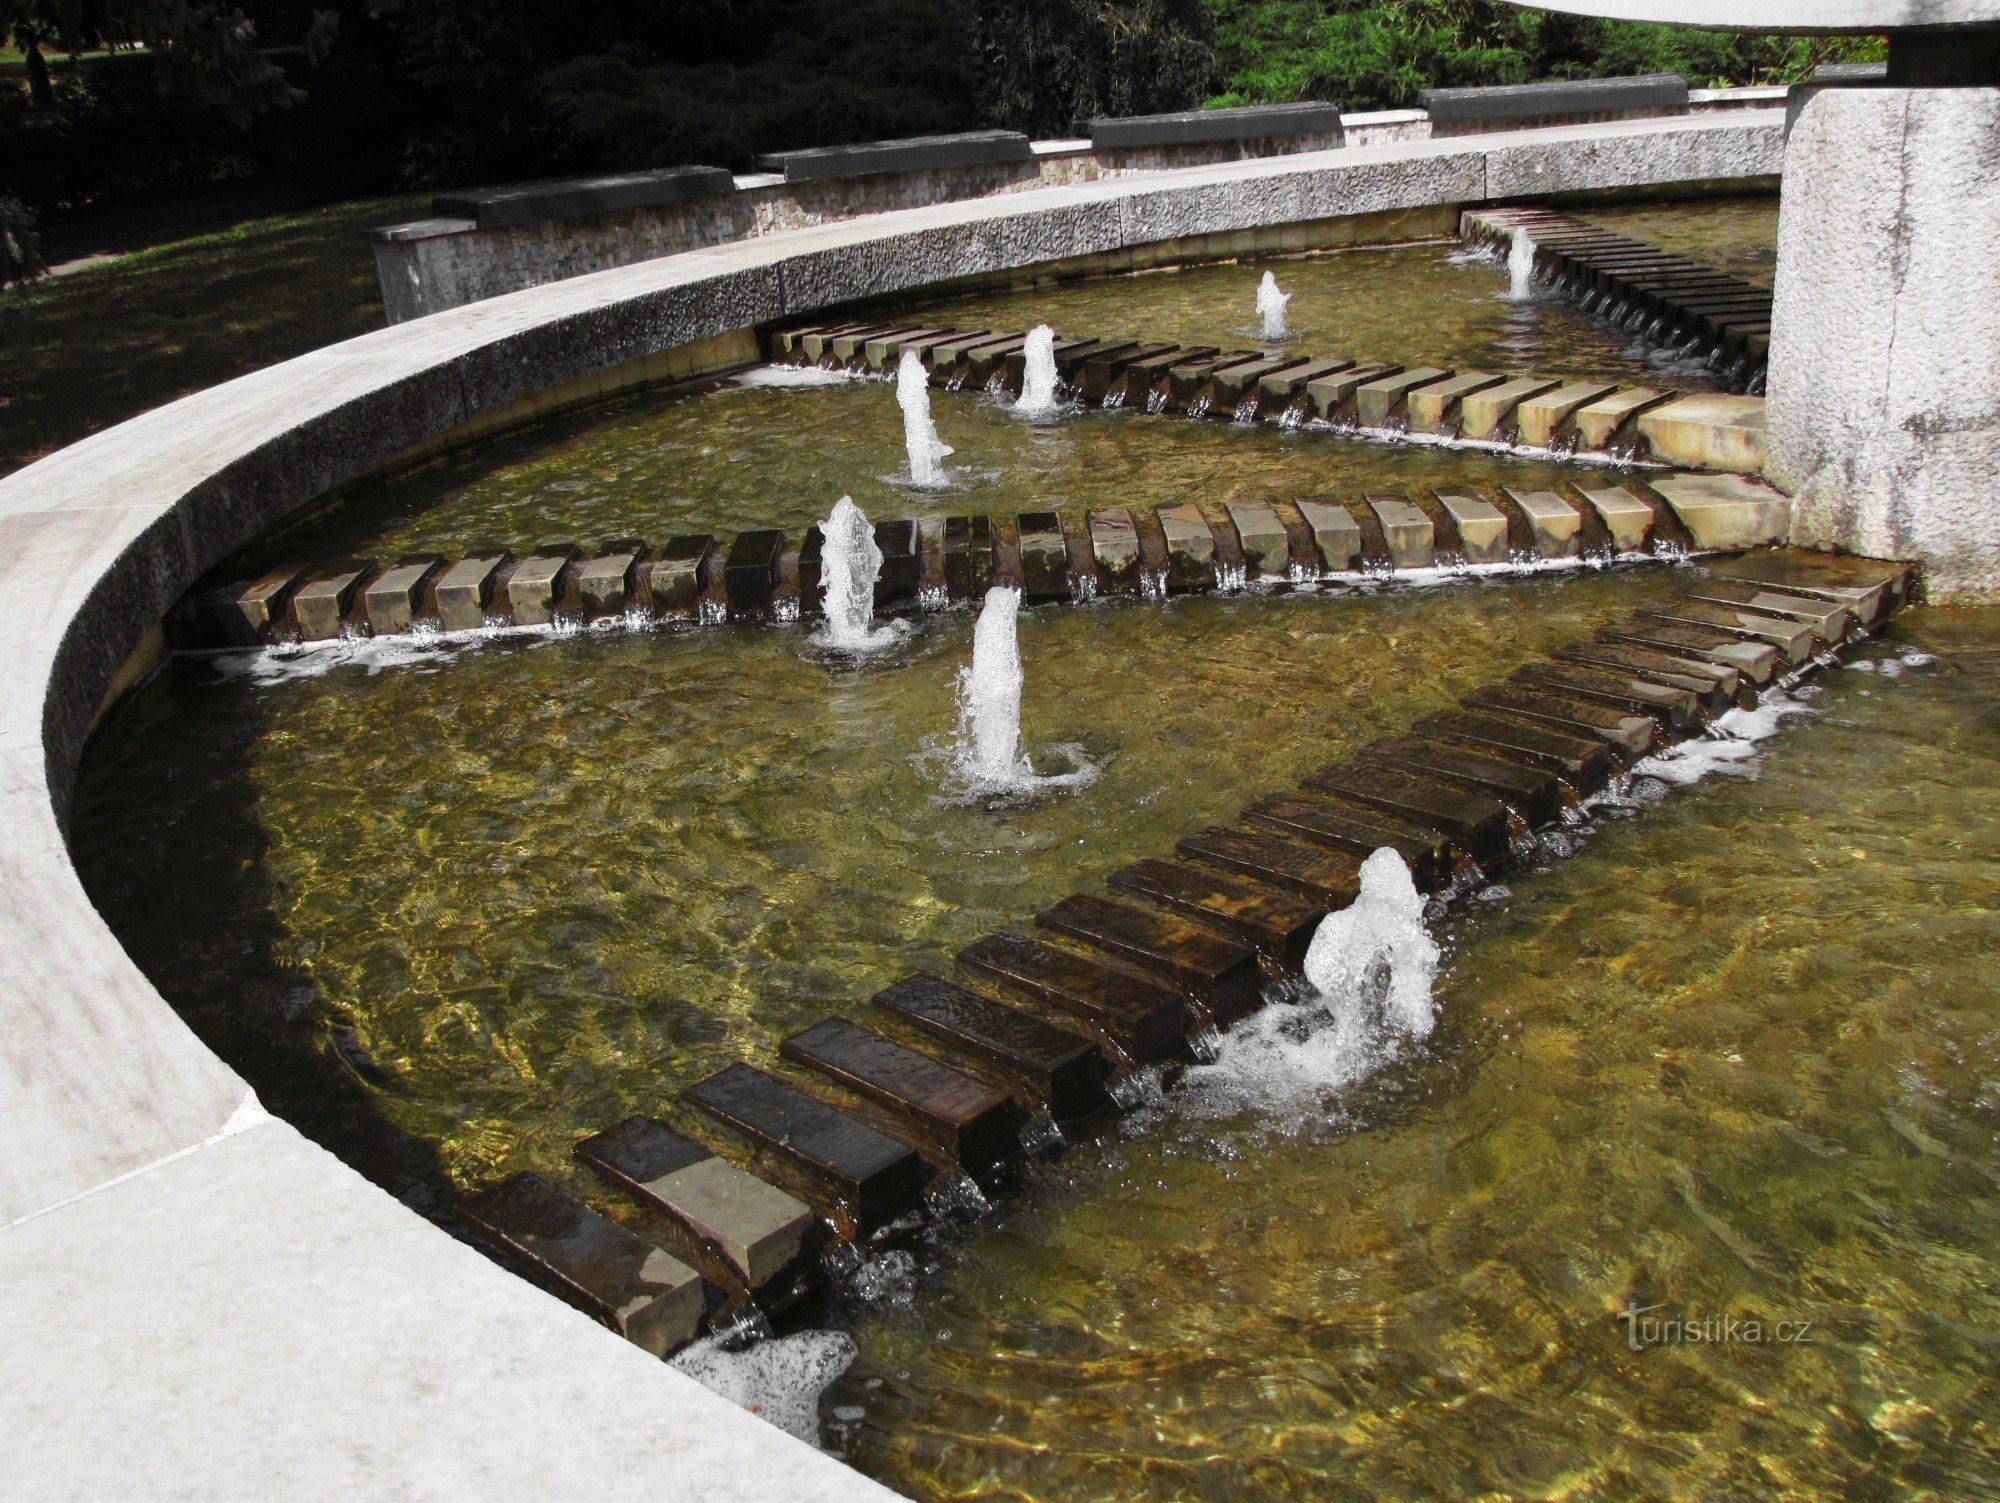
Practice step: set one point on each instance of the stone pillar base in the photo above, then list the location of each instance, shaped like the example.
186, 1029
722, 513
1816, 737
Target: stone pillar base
1884, 415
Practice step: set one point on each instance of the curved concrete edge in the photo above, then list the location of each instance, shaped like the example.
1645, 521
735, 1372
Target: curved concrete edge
103, 1089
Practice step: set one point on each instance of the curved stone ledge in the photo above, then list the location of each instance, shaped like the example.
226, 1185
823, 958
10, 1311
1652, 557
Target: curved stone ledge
211, 1304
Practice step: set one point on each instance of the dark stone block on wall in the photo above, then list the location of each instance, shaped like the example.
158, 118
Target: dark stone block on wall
1582, 96
913, 154
1252, 122
578, 198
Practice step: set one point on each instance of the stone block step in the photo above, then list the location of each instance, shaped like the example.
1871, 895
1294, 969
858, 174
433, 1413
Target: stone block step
896, 582
1190, 547
1632, 735
395, 596
675, 577
638, 1289
535, 586
1759, 662
763, 1235
1530, 790
750, 573
968, 557
1482, 527
1868, 587
1830, 622
605, 583
1046, 1065
1131, 377
1044, 556
1144, 1019
872, 1176
1359, 832
1714, 431
465, 590
1555, 524
1332, 395
1599, 422
1475, 822
1380, 400
1237, 383
1675, 709
1335, 533
1327, 877
1217, 971
1278, 923
241, 612
983, 362
970, 1120
1267, 549
1409, 533
885, 351
1487, 414
1435, 408
1792, 638
1716, 686
1014, 368
1282, 388
1541, 418
1585, 762
1070, 362
1114, 545
321, 604
1628, 519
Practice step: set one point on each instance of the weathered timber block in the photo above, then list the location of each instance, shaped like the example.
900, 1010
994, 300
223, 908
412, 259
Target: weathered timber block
1267, 550
970, 1120
968, 557
1359, 831
1376, 402
533, 586
896, 584
1044, 556
1114, 543
676, 576
1660, 93
394, 596
1335, 533
1632, 735
1046, 1065
465, 589
1487, 414
1482, 527
1599, 422
1584, 761
1792, 638
1333, 395
873, 1175
638, 1289
1434, 408
750, 573
1407, 531
1217, 971
321, 604
1727, 512
1277, 922
1252, 122
1628, 519
1829, 621
1866, 586
756, 1229
1757, 661
1144, 1019
1541, 418
1714, 685
1331, 878
1472, 820
1675, 709
606, 583
1190, 547
585, 197
1532, 791
910, 154
1553, 521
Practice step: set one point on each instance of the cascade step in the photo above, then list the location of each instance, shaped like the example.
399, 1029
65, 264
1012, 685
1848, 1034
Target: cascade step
881, 353
1048, 1065
1757, 661
1278, 923
1715, 685
394, 597
1044, 557
983, 362
896, 583
1332, 878
1359, 832
1215, 970
1190, 547
1598, 423
1792, 638
1831, 622
675, 577
1531, 791
1410, 535
465, 590
1584, 761
1675, 709
1633, 735
1114, 545
1553, 521
1716, 431
1238, 382
1482, 527
750, 573
321, 604
1332, 395
1541, 418
1335, 533
1267, 548
1134, 376
604, 583
1435, 408
875, 1177
758, 1231
1628, 519
1866, 586
534, 587
1070, 363
1015, 367
1475, 822
1376, 402
610, 1272
968, 557
967, 1118
1280, 389
243, 613
1486, 413
1144, 1019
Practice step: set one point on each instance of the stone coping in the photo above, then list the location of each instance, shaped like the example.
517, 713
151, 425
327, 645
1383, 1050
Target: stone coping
910, 154
1649, 91
1790, 17
302, 1334
1245, 123
575, 198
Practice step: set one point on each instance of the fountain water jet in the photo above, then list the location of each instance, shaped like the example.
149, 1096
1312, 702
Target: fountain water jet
1271, 307
987, 756
850, 561
920, 435
1521, 267
1038, 377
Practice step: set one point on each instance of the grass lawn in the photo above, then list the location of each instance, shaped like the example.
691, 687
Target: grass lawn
89, 349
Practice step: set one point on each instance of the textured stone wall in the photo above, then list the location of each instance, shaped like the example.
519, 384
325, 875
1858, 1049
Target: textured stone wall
1884, 414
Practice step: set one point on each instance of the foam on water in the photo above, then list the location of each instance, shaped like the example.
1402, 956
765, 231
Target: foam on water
778, 1381
794, 375
1369, 974
1729, 747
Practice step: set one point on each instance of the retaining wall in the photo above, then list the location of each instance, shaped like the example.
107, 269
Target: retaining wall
198, 1301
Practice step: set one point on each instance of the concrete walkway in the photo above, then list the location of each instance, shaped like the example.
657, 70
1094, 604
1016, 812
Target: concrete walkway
198, 1302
